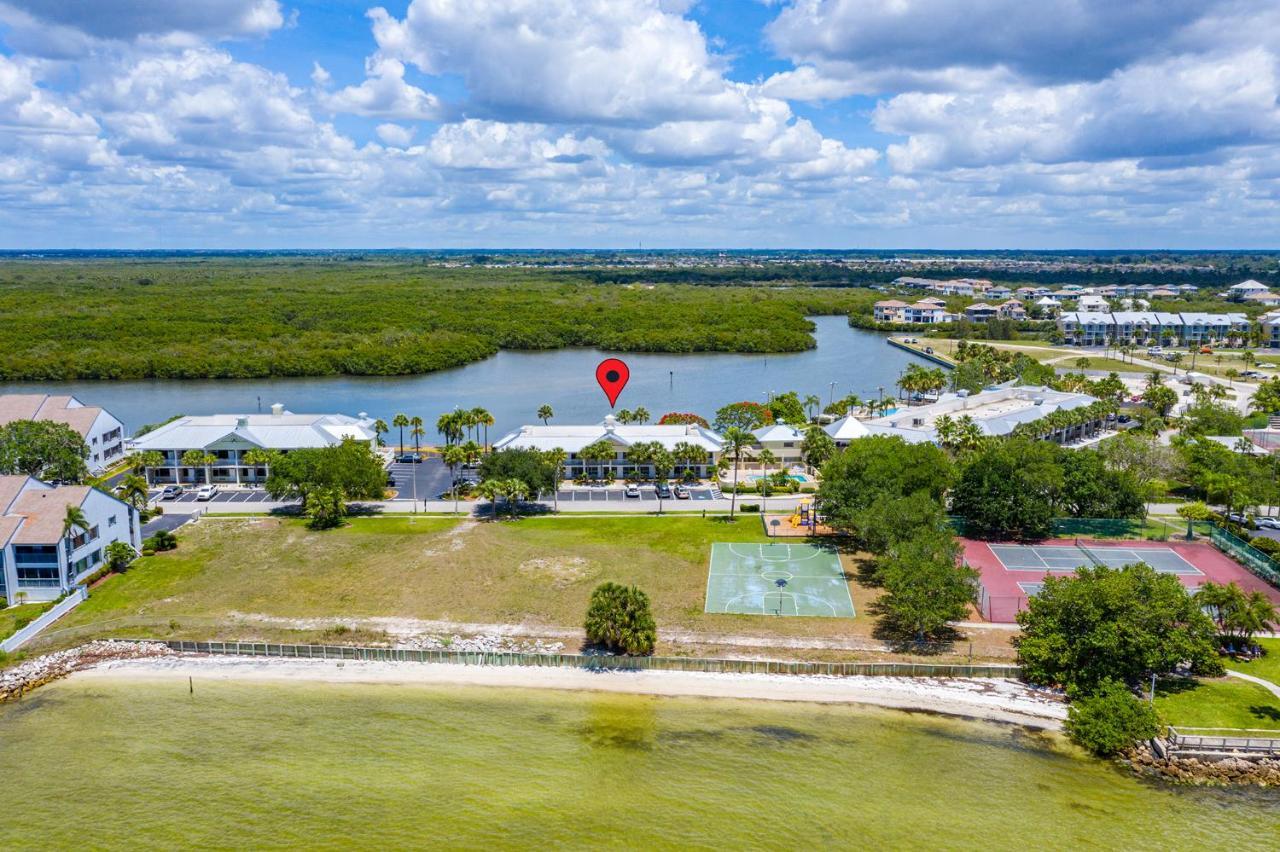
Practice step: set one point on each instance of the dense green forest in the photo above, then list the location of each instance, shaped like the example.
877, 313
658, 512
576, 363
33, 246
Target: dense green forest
221, 317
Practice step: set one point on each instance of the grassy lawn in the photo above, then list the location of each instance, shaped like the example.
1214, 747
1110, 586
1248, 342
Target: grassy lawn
1266, 667
1219, 703
15, 618
537, 572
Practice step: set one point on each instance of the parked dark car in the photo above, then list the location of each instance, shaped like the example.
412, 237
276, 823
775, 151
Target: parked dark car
663, 490
409, 458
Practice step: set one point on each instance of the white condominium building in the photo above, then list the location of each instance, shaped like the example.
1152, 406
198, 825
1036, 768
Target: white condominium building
103, 434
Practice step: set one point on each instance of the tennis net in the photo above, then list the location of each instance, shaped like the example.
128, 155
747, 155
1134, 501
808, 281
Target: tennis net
1095, 560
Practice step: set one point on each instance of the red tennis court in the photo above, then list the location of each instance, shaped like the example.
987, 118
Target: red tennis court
1013, 572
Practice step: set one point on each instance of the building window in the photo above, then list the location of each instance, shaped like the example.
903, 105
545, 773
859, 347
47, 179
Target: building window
111, 521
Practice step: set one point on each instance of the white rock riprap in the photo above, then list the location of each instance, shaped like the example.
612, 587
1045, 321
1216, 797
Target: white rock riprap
28, 675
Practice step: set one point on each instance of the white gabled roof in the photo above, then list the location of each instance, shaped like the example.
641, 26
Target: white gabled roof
284, 431
1249, 285
847, 428
572, 439
777, 432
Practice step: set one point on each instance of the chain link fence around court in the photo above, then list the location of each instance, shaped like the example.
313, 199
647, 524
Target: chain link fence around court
1150, 529
1257, 562
591, 662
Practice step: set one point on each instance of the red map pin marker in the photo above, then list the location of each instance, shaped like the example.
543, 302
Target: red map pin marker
612, 375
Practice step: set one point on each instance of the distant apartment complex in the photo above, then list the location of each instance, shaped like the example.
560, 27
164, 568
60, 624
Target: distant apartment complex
103, 434
997, 411
1151, 327
230, 439
40, 559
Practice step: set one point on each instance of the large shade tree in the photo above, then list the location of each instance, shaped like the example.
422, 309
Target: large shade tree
44, 449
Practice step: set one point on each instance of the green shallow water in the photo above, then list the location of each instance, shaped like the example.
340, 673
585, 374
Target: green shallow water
114, 764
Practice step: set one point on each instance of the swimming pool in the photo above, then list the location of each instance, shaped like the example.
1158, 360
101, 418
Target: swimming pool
794, 477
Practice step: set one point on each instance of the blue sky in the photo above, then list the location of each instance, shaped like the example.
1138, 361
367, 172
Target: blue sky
603, 123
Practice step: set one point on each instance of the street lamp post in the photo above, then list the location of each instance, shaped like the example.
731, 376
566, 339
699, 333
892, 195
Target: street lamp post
831, 398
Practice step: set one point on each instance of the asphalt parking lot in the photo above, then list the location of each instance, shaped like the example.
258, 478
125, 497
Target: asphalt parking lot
169, 521
228, 495
432, 478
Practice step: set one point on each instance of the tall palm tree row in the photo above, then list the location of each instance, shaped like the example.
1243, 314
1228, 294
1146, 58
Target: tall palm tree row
380, 429
416, 433
485, 419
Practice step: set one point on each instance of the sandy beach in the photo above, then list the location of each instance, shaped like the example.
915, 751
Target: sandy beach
985, 699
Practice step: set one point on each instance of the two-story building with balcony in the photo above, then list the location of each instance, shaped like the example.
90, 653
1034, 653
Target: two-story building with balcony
231, 439
40, 559
703, 447
103, 434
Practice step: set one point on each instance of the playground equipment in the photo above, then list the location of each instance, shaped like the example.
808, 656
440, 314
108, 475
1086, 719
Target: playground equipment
804, 515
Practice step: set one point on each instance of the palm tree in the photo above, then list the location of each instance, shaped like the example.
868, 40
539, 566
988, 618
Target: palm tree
514, 490
545, 413
416, 433
491, 490
640, 415
597, 452
624, 416
261, 458
133, 490
641, 454
454, 456
485, 419
72, 519
380, 429
471, 450
450, 426
735, 441
200, 458
811, 401
140, 463
688, 454
556, 458
766, 458
400, 421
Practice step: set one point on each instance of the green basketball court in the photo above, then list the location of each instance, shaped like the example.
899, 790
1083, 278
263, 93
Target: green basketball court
777, 579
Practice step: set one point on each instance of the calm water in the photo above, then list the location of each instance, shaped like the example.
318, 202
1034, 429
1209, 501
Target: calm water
143, 765
512, 385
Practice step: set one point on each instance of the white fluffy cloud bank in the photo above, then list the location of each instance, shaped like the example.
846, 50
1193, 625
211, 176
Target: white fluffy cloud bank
600, 122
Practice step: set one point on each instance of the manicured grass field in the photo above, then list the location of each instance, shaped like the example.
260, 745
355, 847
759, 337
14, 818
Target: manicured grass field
538, 572
16, 617
1220, 703
1266, 667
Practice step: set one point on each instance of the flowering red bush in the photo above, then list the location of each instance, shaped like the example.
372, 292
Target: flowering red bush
682, 417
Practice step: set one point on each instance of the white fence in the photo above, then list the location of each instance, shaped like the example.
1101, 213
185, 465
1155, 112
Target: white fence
61, 608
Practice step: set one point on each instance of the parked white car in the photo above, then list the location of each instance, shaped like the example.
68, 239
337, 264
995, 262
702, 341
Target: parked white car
1268, 523
206, 492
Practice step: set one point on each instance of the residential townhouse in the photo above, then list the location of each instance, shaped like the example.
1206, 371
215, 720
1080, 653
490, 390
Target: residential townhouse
1270, 323
102, 432
1013, 310
1150, 327
926, 313
889, 310
996, 292
981, 312
573, 439
1239, 292
1090, 303
40, 560
785, 442
229, 438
